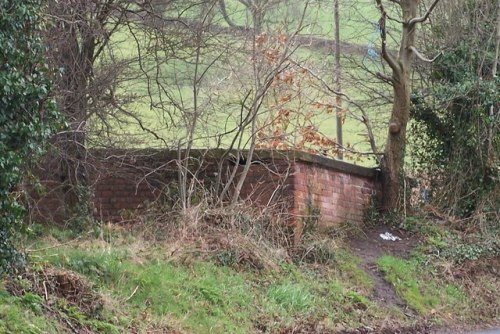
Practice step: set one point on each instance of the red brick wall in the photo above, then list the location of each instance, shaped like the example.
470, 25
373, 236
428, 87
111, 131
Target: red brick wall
335, 196
303, 184
114, 194
47, 203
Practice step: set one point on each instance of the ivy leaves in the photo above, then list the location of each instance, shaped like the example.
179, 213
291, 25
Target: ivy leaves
27, 114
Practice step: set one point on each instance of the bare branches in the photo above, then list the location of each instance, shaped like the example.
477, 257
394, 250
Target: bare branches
393, 63
422, 57
383, 34
222, 6
497, 46
317, 77
423, 18
395, 19
384, 77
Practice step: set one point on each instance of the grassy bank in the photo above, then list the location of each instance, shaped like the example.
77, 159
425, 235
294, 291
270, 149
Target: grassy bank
117, 280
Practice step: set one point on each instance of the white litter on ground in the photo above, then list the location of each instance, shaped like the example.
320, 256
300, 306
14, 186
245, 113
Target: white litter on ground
389, 236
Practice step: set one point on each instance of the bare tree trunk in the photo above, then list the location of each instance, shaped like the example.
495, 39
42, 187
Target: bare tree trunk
338, 86
497, 48
73, 51
80, 32
394, 154
393, 160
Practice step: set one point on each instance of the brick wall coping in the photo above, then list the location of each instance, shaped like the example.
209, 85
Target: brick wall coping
261, 154
341, 166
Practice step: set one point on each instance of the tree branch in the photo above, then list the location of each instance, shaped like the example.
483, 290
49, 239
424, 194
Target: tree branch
421, 19
246, 3
383, 35
422, 57
395, 19
317, 77
222, 6
384, 77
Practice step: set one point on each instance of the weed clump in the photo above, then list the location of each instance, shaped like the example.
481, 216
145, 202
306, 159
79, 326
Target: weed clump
62, 283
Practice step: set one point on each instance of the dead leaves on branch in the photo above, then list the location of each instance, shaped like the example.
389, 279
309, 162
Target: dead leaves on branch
292, 111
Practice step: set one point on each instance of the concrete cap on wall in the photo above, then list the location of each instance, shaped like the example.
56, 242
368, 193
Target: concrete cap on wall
259, 155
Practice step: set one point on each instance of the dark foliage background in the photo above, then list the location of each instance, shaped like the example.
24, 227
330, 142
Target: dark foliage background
455, 135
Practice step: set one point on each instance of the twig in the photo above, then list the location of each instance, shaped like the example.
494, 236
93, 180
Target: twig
422, 57
51, 247
45, 290
133, 293
61, 318
423, 18
384, 77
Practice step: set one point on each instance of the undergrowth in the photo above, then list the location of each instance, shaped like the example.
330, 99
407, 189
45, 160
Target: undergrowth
451, 275
198, 296
223, 281
193, 286
24, 315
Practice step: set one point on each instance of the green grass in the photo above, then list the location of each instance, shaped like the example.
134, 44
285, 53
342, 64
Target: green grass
202, 297
205, 298
418, 290
24, 315
199, 296
143, 287
292, 297
348, 266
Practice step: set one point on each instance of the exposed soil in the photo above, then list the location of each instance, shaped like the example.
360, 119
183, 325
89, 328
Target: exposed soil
369, 247
310, 328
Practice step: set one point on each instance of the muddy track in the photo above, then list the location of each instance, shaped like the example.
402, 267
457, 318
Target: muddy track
369, 248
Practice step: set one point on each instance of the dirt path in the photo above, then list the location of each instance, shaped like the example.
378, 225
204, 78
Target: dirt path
369, 247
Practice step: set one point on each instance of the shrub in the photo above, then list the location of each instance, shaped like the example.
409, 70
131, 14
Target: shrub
26, 111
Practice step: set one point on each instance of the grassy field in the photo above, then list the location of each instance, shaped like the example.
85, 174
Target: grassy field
162, 99
160, 91
358, 19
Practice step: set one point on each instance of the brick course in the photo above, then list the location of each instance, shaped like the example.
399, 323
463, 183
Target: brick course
334, 191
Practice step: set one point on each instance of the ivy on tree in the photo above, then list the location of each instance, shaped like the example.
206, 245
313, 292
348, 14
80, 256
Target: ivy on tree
457, 118
27, 114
